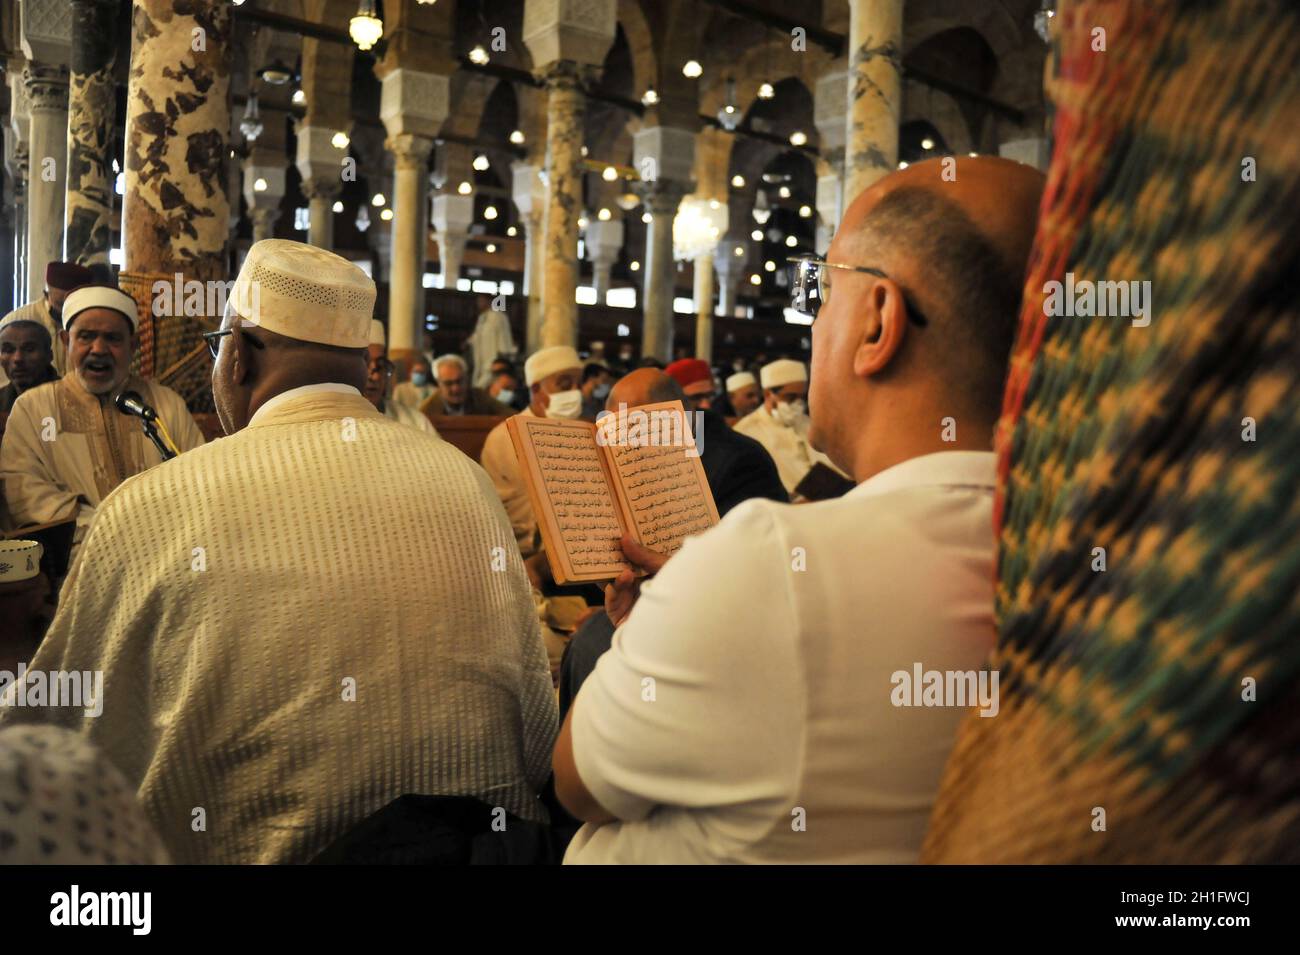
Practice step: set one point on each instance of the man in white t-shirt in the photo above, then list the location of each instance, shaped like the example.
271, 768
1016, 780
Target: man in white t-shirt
800, 707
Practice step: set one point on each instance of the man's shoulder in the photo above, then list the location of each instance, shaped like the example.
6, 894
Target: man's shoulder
40, 397
752, 422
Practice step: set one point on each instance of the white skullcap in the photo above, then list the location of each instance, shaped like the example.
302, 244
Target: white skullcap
547, 361
377, 333
100, 296
303, 292
13, 318
739, 380
783, 371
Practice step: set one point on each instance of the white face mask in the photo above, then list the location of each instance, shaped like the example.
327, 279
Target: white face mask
565, 404
506, 396
791, 413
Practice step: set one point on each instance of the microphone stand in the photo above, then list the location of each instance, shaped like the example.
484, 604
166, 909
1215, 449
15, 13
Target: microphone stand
151, 431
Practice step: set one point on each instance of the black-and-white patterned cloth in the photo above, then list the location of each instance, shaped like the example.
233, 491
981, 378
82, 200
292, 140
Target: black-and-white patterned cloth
63, 803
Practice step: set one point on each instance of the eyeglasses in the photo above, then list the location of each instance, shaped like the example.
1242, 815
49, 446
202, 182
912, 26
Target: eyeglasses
214, 340
808, 287
383, 366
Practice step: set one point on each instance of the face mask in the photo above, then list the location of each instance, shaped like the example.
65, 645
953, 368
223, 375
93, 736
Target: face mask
790, 413
565, 404
419, 379
600, 392
506, 396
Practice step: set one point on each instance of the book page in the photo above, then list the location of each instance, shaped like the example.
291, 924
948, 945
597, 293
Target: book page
572, 498
658, 475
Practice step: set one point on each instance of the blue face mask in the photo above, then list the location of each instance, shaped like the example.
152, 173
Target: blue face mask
419, 378
506, 396
600, 392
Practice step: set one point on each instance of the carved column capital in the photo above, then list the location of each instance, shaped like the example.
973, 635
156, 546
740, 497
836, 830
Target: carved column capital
409, 151
46, 87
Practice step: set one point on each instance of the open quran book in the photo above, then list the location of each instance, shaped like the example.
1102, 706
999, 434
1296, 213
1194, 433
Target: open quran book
637, 473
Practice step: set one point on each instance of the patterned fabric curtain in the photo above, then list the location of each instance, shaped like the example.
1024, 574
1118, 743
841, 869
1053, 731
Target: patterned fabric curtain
1148, 519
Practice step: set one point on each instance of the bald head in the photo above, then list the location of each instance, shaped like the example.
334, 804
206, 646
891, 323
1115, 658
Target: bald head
953, 237
645, 386
254, 364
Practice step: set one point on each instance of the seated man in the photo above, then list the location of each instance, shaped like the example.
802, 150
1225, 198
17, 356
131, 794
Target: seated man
552, 377
597, 379
278, 662
736, 467
413, 393
507, 388
60, 279
26, 355
743, 393
66, 445
454, 396
782, 728
379, 374
696, 378
780, 424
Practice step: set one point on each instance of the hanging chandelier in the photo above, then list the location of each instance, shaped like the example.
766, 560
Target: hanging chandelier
729, 115
251, 124
366, 28
697, 227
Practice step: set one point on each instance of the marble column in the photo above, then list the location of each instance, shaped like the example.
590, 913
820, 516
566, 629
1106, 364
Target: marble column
320, 164
565, 104
47, 91
451, 253
321, 195
264, 203
830, 107
451, 219
413, 105
604, 242
535, 254
661, 202
875, 84
175, 213
530, 198
92, 103
410, 226
730, 269
704, 308
16, 226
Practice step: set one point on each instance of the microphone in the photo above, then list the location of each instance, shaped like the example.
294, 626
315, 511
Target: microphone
130, 403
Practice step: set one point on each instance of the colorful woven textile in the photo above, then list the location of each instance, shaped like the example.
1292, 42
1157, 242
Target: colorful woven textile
1157, 697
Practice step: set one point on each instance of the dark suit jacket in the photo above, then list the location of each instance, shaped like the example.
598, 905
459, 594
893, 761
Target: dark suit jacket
478, 402
737, 468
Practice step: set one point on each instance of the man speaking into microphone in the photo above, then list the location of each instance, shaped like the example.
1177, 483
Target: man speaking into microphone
67, 445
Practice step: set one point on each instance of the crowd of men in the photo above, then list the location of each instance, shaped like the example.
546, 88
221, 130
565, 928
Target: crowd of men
331, 607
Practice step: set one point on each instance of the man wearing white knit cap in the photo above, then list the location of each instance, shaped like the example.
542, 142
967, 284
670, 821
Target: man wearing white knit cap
379, 376
781, 423
278, 661
552, 376
66, 445
743, 393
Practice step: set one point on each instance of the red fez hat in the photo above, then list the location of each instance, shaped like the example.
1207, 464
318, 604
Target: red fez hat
687, 371
67, 275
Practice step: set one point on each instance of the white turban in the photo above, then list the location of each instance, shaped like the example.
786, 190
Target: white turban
783, 371
303, 292
548, 361
100, 296
739, 380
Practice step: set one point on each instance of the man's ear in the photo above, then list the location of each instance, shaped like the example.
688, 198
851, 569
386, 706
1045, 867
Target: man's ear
64, 337
241, 357
884, 329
